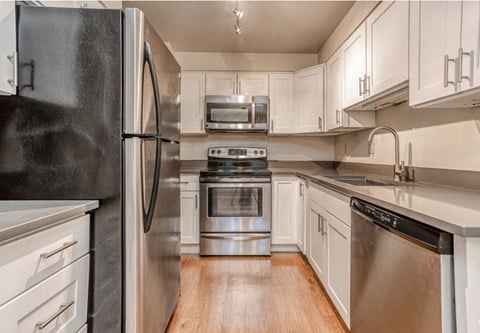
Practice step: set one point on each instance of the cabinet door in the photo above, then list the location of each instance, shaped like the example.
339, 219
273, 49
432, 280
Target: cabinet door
318, 241
189, 217
387, 46
221, 84
338, 265
255, 84
301, 214
281, 103
192, 102
333, 109
309, 100
470, 43
354, 67
284, 215
434, 44
8, 49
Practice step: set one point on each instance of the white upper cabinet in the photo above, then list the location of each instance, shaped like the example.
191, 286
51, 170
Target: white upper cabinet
387, 46
333, 105
284, 214
221, 84
192, 102
8, 49
254, 84
281, 92
444, 53
469, 54
227, 84
353, 53
309, 99
336, 119
434, 43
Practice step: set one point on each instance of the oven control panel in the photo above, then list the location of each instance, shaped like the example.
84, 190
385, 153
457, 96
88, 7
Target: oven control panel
237, 152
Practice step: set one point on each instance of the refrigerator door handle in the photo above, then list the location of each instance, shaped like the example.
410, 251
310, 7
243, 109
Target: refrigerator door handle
153, 74
148, 215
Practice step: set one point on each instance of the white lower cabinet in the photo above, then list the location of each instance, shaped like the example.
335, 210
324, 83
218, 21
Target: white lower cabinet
329, 244
189, 226
318, 242
338, 265
284, 206
57, 304
189, 211
301, 215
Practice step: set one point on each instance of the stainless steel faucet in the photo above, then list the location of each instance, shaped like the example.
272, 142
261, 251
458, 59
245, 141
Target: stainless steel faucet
399, 171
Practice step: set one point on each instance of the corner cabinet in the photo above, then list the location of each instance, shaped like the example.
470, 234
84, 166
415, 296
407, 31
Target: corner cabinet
192, 103
309, 99
8, 49
444, 53
284, 210
281, 92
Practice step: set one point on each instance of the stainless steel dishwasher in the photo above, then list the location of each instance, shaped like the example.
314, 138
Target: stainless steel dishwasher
401, 274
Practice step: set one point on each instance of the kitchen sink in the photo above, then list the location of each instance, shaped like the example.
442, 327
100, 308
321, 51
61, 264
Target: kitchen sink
364, 181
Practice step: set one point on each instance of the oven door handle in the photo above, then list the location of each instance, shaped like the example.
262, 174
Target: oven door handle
235, 181
237, 237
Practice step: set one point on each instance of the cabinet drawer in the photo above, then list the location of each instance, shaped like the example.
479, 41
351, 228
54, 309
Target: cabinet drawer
338, 205
59, 303
189, 183
316, 194
29, 260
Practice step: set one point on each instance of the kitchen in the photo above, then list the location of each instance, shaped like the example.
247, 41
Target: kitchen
240, 166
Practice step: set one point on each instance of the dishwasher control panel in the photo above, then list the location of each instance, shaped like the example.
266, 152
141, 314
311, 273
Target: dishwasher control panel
432, 238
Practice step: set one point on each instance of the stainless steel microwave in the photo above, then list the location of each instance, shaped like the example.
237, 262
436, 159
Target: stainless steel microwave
238, 113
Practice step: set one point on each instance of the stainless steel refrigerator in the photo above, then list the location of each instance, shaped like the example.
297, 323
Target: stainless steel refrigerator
96, 116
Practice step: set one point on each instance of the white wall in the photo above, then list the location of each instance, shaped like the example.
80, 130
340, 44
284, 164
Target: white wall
350, 22
434, 138
285, 148
204, 61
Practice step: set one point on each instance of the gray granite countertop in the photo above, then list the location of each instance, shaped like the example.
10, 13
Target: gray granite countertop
19, 218
448, 208
452, 209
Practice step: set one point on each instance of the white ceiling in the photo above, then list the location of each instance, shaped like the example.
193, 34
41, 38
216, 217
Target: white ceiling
268, 26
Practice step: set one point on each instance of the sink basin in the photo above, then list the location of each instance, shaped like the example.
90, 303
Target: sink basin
364, 181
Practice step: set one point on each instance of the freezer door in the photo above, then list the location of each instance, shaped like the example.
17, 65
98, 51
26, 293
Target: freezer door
152, 258
151, 75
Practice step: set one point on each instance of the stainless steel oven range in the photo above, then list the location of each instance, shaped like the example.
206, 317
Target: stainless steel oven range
235, 202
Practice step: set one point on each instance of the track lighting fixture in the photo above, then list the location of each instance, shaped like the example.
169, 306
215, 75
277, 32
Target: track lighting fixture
238, 14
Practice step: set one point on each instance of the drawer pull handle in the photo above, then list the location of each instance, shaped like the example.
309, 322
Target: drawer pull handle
41, 325
60, 249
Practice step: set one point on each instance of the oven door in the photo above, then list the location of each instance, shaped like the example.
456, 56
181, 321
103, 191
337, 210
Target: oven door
235, 207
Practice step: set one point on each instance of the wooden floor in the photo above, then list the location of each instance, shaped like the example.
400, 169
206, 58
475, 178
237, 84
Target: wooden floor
251, 294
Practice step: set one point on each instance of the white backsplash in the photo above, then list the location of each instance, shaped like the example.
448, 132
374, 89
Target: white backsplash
433, 138
286, 148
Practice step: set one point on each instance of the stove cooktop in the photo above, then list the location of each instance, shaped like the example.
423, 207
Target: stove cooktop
235, 172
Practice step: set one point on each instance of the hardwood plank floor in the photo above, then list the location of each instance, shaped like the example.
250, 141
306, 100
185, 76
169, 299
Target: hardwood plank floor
251, 294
